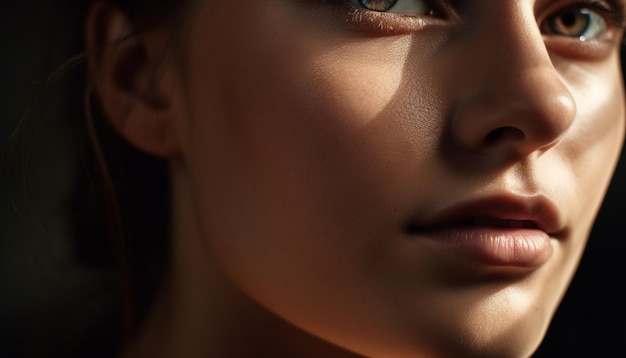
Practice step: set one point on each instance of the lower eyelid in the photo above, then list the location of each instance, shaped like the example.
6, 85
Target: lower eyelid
573, 48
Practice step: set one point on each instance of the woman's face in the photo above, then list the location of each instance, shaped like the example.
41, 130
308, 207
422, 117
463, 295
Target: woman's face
403, 184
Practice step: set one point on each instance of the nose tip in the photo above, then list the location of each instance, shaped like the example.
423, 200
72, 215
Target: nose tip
512, 100
529, 114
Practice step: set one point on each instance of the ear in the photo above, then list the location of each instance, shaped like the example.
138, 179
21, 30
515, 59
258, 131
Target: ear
133, 80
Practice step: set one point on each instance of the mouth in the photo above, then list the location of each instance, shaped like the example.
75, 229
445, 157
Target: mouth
496, 231
502, 211
497, 222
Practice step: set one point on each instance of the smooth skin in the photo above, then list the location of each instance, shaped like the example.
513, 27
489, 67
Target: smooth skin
305, 136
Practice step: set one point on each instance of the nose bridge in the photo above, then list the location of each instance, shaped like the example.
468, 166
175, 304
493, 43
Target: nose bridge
517, 57
514, 41
514, 97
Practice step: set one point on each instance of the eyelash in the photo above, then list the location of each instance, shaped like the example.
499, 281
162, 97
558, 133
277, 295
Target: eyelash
614, 11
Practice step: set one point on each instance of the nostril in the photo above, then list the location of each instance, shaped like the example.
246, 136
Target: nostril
503, 134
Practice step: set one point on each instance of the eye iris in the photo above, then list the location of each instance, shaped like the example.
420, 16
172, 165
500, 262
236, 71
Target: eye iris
571, 22
378, 5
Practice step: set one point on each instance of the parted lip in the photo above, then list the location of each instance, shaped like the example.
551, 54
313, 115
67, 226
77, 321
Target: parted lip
501, 211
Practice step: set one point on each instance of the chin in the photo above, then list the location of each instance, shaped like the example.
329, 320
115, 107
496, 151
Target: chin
501, 323
516, 342
497, 335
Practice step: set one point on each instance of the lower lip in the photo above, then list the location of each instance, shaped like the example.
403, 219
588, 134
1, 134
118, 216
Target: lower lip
493, 246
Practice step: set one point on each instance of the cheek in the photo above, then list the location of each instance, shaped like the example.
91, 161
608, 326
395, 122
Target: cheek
287, 164
301, 128
298, 171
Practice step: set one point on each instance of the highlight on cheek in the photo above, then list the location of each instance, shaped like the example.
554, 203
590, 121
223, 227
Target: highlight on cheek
357, 99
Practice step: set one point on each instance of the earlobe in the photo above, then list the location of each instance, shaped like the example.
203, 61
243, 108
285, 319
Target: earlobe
129, 74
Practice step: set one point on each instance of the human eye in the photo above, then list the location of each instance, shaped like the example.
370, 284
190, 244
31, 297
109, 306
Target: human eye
396, 16
581, 23
584, 27
405, 7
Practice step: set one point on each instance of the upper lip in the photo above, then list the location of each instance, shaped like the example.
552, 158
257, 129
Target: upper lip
537, 212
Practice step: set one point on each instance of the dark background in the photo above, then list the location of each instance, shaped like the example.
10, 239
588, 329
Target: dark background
41, 291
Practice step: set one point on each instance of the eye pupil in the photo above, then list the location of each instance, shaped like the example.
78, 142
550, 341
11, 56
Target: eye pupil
568, 19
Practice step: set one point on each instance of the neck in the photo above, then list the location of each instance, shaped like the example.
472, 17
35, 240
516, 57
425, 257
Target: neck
199, 313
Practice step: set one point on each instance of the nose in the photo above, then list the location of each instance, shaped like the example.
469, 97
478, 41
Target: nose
513, 102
